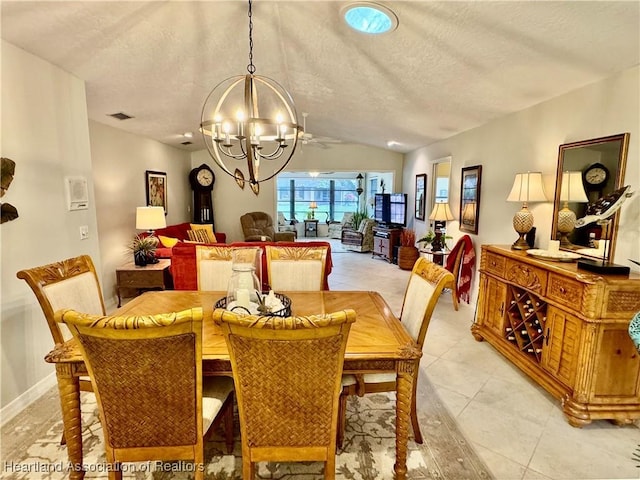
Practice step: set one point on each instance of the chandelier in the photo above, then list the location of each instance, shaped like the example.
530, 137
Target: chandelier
237, 135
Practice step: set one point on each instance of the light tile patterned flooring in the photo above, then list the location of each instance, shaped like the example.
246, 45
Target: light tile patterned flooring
514, 425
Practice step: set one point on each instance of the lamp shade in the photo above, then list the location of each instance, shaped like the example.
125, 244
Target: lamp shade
150, 218
469, 212
572, 188
441, 212
527, 187
313, 205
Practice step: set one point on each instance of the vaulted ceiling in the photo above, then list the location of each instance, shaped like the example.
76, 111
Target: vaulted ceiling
449, 66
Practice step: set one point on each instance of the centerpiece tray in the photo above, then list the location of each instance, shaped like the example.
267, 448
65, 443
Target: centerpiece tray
285, 311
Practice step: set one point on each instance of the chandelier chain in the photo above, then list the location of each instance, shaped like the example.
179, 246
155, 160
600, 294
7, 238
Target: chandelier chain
251, 67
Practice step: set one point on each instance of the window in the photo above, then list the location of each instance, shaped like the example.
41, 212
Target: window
334, 197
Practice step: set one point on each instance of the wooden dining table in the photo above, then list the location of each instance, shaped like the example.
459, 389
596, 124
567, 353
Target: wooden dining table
377, 343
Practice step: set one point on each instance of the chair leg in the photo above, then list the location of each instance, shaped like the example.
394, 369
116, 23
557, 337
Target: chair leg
228, 424
248, 469
454, 296
330, 468
342, 421
417, 435
63, 441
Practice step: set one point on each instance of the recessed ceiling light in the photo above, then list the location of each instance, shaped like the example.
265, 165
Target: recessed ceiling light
392, 143
187, 134
369, 17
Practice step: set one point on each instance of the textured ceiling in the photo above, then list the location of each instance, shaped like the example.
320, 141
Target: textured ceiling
449, 67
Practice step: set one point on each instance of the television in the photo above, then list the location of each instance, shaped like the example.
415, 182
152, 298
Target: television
390, 209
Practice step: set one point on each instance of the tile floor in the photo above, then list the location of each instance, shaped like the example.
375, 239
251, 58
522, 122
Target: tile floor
514, 425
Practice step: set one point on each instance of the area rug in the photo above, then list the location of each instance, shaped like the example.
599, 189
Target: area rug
31, 447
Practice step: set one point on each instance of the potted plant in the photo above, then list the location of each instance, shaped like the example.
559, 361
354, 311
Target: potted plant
407, 252
358, 217
144, 249
428, 238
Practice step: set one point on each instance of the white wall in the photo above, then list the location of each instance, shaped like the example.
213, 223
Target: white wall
230, 202
529, 140
120, 161
45, 131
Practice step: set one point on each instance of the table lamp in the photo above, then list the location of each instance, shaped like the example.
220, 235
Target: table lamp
440, 213
150, 218
571, 190
527, 187
312, 206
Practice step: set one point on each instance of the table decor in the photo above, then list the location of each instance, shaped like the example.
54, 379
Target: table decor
559, 256
272, 304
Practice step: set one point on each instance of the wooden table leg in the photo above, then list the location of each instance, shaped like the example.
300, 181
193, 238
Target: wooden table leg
406, 370
69, 389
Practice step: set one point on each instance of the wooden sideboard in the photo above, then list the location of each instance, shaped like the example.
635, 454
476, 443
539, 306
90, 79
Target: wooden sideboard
566, 328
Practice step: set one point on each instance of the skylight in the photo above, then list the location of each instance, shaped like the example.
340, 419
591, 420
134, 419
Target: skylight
367, 17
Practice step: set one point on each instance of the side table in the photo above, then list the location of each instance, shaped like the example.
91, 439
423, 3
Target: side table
435, 257
155, 276
311, 228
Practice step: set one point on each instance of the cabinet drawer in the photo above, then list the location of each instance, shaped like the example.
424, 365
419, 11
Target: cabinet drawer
565, 291
495, 264
527, 276
141, 279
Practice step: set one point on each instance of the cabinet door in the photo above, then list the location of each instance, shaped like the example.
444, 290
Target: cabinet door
494, 305
562, 343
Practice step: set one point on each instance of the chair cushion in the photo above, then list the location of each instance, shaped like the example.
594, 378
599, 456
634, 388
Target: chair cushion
215, 391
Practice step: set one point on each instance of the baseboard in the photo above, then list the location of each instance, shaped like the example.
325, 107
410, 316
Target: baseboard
27, 398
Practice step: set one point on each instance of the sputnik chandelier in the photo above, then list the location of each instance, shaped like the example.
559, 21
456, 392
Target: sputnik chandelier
235, 132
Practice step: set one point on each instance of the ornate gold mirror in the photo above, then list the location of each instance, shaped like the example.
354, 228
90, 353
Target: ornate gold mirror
587, 171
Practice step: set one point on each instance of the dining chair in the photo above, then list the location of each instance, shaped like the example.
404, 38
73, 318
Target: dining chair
214, 265
147, 377
287, 373
296, 269
71, 283
426, 282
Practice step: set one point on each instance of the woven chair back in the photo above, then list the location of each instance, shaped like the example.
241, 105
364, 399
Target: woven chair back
147, 376
296, 269
426, 282
71, 283
288, 374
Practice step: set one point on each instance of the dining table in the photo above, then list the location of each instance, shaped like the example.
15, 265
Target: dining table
377, 343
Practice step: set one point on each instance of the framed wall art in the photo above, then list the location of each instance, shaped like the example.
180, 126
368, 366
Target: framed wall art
156, 187
421, 182
470, 198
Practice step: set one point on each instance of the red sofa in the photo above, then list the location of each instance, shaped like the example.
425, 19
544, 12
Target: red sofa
178, 231
183, 262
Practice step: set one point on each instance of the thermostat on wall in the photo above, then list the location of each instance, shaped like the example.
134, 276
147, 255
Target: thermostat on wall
77, 193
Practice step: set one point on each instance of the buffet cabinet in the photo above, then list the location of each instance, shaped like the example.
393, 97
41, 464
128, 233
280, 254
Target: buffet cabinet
566, 328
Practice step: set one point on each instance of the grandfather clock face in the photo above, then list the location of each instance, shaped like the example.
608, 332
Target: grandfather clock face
202, 179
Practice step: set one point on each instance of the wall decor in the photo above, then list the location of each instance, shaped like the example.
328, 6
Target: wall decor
156, 187
421, 182
470, 198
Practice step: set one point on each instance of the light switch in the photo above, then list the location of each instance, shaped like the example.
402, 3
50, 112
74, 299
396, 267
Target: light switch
84, 232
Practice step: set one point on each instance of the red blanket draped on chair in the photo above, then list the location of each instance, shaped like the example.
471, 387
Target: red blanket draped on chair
465, 274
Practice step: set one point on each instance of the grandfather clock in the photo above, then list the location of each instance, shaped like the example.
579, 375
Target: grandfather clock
201, 180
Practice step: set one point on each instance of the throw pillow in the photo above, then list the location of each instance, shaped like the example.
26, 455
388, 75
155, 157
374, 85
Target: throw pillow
199, 236
207, 227
167, 242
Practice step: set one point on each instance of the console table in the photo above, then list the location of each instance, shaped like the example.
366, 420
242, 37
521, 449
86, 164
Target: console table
384, 239
566, 328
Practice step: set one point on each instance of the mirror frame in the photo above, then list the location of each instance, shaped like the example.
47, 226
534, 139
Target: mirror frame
623, 138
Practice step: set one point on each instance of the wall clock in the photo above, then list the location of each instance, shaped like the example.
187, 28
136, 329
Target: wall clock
202, 179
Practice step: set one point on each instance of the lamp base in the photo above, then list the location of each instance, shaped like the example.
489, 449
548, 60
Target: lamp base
605, 268
521, 243
564, 240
